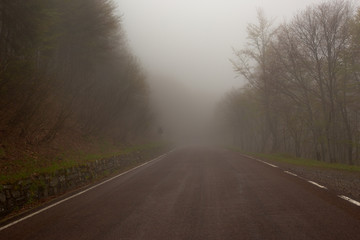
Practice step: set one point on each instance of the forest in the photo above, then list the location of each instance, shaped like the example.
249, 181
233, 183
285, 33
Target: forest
67, 75
302, 95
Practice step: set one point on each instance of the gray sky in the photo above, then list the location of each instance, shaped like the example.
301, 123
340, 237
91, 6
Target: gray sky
185, 46
191, 40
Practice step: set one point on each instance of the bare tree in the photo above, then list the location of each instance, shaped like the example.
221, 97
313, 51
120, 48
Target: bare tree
253, 64
306, 76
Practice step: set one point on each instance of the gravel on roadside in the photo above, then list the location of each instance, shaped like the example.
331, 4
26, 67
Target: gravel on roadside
342, 182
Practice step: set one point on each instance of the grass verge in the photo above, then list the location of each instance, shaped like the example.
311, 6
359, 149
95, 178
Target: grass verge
128, 163
288, 159
30, 165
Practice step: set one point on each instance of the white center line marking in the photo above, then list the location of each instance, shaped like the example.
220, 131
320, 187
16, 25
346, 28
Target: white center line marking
290, 173
75, 195
316, 184
350, 200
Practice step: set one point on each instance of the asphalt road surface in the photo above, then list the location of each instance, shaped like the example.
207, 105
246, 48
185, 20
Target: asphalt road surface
197, 193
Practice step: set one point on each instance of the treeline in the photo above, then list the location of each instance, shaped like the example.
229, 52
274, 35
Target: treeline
303, 91
65, 66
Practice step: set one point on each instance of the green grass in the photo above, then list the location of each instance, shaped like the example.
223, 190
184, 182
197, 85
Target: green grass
288, 159
30, 165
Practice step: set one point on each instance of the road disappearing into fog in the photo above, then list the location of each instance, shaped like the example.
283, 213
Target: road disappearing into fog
197, 193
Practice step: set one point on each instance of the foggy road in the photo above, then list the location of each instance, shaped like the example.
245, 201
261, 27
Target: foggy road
197, 193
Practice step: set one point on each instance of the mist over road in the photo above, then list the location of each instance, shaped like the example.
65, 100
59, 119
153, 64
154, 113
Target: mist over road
197, 193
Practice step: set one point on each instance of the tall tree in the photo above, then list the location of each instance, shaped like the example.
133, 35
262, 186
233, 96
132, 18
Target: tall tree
253, 64
306, 75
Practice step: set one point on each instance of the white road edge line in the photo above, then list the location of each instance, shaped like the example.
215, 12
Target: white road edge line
290, 173
350, 200
77, 194
316, 184
293, 174
272, 165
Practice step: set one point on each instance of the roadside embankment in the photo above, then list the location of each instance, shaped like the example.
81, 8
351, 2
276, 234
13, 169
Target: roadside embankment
38, 187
